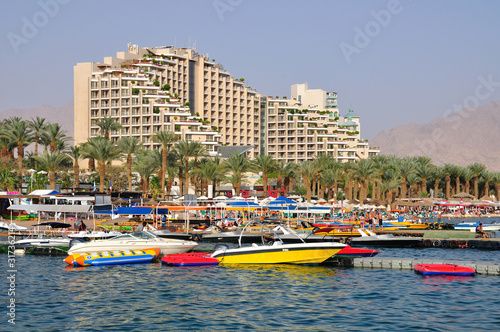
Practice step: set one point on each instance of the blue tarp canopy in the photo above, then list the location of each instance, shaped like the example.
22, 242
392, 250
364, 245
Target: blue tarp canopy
282, 208
133, 210
243, 204
127, 210
282, 200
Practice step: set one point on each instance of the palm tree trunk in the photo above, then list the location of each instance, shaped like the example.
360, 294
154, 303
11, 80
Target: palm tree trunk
52, 180
457, 184
476, 189
447, 191
187, 177
76, 176
102, 173
436, 188
129, 172
181, 180
467, 186
497, 190
403, 187
335, 188
308, 186
264, 183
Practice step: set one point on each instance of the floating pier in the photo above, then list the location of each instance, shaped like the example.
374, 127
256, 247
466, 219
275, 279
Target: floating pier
486, 268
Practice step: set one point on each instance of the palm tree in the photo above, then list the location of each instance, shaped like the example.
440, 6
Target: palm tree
145, 163
38, 127
496, 180
477, 169
166, 139
457, 172
52, 161
388, 187
467, 175
406, 168
107, 125
289, 175
75, 154
307, 171
185, 150
55, 134
329, 179
102, 151
487, 177
17, 130
424, 172
129, 146
438, 174
265, 164
238, 165
281, 172
380, 163
448, 172
364, 171
213, 171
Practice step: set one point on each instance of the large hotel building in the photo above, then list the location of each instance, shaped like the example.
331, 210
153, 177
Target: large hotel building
176, 89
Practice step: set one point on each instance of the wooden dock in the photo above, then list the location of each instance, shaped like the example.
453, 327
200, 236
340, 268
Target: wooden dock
486, 268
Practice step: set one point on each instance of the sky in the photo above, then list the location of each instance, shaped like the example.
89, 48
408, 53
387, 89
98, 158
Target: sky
394, 62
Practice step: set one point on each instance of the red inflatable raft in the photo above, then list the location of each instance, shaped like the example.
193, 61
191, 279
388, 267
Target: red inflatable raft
444, 269
190, 259
356, 252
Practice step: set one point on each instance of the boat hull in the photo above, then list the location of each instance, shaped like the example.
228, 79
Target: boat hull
313, 253
395, 243
444, 269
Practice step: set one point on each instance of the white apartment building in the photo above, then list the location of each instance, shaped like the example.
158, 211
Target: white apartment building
152, 89
309, 124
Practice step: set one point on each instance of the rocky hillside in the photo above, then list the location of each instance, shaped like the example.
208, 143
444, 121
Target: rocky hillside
461, 138
62, 115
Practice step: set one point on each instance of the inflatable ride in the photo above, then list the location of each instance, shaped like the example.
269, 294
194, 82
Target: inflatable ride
444, 269
190, 259
113, 257
356, 252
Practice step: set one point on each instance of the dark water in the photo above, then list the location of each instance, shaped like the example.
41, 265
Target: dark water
146, 297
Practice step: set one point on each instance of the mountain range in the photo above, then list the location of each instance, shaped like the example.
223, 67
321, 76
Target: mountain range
461, 138
62, 115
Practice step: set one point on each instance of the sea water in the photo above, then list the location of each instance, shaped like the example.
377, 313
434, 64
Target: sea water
153, 297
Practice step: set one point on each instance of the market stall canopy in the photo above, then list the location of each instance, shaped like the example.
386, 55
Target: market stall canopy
282, 200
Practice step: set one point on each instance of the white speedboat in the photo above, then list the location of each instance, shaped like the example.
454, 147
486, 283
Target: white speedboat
42, 240
471, 226
136, 240
277, 252
93, 235
368, 238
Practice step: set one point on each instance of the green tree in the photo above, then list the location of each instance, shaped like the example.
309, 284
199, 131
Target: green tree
166, 139
129, 146
52, 162
107, 125
477, 169
38, 126
75, 154
265, 164
101, 150
238, 165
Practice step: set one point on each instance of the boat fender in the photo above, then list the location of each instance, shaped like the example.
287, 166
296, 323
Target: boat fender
196, 237
436, 243
445, 244
453, 244
462, 244
428, 243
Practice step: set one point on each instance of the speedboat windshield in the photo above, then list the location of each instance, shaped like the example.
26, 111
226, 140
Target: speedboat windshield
142, 235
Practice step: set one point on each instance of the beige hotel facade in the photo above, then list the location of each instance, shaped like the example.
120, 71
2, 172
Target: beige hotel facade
148, 90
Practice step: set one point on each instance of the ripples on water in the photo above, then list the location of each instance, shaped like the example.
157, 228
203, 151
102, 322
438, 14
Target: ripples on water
144, 297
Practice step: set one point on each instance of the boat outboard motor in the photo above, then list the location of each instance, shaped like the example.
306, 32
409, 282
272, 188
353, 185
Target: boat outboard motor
76, 241
221, 246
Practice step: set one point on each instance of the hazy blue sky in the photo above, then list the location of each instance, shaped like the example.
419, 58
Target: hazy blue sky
394, 62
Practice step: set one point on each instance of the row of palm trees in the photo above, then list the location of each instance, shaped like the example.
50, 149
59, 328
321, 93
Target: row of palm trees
381, 177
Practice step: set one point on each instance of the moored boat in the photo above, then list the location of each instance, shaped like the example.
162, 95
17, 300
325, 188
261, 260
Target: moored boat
444, 269
277, 252
190, 259
133, 241
113, 257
